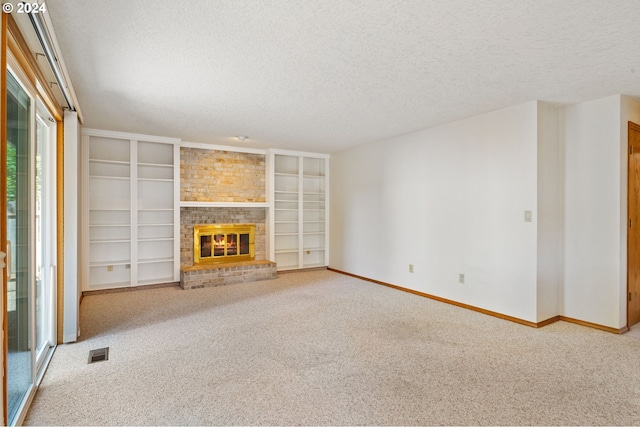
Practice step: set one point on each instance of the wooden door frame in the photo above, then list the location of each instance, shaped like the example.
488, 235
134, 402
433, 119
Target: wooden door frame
3, 209
630, 125
14, 42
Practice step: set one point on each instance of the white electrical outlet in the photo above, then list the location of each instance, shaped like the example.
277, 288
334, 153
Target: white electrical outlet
528, 216
410, 268
461, 278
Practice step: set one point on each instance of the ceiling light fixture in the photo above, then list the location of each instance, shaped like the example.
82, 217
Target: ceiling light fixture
242, 137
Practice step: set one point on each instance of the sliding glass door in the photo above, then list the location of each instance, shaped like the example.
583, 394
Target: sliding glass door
19, 231
45, 224
31, 241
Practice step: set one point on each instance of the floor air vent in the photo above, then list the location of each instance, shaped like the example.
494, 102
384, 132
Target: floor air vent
99, 355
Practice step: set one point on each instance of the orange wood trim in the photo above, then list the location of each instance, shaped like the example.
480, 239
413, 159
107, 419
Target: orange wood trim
3, 207
491, 313
60, 230
635, 127
629, 213
488, 312
20, 49
448, 301
549, 321
594, 325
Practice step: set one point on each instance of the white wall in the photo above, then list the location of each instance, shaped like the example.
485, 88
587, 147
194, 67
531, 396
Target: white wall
70, 328
549, 221
595, 144
448, 200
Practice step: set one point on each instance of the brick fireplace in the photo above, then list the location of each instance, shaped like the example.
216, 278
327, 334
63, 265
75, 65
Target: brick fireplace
212, 176
223, 243
192, 216
221, 176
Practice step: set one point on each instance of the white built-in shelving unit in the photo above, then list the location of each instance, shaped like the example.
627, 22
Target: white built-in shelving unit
298, 221
131, 218
130, 226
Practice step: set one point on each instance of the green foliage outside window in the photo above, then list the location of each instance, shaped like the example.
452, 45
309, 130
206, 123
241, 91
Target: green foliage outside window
11, 172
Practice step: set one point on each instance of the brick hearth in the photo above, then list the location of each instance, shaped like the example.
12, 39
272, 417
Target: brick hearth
203, 275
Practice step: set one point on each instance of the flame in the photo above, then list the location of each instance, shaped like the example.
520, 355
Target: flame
221, 242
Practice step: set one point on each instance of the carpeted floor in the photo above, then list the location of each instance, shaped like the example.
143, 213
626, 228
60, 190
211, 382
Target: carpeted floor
318, 348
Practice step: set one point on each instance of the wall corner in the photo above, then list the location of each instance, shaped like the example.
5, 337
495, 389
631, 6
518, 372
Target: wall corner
72, 294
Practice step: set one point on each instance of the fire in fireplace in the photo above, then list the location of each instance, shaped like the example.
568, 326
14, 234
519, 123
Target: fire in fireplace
221, 243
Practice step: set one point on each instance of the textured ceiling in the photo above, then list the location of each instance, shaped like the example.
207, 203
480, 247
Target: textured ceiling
324, 75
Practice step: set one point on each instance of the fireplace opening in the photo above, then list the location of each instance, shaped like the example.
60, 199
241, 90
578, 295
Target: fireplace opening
205, 246
223, 243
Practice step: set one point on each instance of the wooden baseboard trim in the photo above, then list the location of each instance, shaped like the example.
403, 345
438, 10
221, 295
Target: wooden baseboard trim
447, 301
489, 312
129, 289
594, 325
549, 321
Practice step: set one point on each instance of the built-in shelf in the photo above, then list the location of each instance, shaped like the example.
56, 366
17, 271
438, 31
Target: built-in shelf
287, 251
155, 179
110, 162
130, 197
121, 178
299, 219
156, 281
159, 165
111, 285
154, 260
314, 265
109, 263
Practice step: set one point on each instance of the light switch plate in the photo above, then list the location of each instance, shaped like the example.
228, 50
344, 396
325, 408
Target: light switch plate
528, 216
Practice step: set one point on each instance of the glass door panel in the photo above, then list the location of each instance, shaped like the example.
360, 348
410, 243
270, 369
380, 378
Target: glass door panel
19, 230
44, 235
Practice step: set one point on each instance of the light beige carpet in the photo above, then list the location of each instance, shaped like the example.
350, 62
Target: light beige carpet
322, 348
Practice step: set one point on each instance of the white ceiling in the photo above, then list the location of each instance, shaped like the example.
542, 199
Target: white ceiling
325, 75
